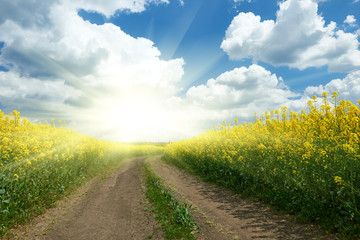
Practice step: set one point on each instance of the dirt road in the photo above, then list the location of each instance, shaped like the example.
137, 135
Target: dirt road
116, 208
221, 215
110, 209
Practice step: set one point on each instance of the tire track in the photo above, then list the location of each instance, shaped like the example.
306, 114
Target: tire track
222, 215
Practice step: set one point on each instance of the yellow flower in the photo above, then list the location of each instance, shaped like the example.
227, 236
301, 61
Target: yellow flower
338, 180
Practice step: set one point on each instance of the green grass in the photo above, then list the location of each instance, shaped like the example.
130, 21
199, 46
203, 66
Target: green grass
29, 196
39, 189
174, 216
232, 182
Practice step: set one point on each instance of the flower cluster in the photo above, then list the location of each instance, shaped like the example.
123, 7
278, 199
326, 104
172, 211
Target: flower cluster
40, 162
307, 162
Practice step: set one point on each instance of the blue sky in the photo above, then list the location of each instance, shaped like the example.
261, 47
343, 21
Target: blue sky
195, 30
168, 69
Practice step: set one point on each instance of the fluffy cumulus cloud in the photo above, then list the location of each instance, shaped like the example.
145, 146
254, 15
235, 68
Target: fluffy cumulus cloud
62, 66
14, 87
70, 45
239, 88
109, 7
348, 88
350, 21
106, 83
31, 13
298, 38
33, 94
240, 92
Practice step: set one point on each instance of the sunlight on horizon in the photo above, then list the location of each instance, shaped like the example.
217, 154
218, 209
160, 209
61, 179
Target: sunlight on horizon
132, 118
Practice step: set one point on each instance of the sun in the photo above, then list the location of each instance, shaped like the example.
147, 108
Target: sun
133, 118
134, 113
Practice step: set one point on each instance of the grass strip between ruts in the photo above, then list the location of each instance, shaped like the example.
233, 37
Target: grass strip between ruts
174, 216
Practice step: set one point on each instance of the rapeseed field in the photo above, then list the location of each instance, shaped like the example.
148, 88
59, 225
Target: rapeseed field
307, 163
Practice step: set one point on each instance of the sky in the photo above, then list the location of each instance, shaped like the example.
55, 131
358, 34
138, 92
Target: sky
164, 70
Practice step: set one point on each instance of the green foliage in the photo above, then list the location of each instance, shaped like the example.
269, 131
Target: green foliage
308, 164
174, 215
39, 164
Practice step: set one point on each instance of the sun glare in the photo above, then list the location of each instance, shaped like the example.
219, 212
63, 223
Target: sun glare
133, 119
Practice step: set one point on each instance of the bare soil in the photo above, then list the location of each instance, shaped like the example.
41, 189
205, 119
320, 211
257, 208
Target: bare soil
223, 215
111, 208
116, 208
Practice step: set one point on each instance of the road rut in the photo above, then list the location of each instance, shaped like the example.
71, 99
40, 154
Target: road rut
110, 209
113, 210
116, 208
222, 215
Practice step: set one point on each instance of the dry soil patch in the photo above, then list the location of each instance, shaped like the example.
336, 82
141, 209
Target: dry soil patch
111, 208
222, 215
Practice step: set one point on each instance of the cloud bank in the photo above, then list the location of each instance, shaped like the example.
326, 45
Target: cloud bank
108, 84
298, 38
64, 66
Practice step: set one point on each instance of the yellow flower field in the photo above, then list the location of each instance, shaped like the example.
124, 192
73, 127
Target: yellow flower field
307, 163
39, 163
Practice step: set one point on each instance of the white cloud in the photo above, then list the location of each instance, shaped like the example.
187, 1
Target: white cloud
181, 2
39, 99
239, 1
237, 88
110, 7
101, 80
99, 56
34, 13
68, 68
239, 93
246, 35
18, 10
298, 38
347, 88
350, 19
15, 87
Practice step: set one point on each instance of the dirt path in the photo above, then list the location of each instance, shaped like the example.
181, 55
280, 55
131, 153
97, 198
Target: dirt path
221, 215
114, 208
